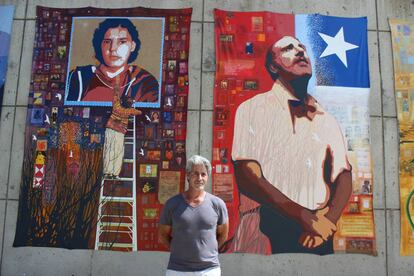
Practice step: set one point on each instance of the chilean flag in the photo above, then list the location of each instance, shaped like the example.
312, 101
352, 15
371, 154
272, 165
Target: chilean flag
338, 49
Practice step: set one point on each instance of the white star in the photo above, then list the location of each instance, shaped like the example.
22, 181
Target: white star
337, 46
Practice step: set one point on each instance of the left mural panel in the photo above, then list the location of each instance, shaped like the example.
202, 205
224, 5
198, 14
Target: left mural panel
6, 22
106, 127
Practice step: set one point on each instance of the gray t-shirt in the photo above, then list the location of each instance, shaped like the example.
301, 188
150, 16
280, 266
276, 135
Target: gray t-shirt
194, 244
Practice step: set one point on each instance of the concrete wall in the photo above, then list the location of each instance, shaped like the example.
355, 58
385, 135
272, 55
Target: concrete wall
384, 138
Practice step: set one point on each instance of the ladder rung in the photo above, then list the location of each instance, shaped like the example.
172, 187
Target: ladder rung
119, 179
114, 224
117, 199
115, 244
116, 216
115, 231
128, 160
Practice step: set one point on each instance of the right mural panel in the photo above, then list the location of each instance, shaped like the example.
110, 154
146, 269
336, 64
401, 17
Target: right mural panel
291, 150
403, 52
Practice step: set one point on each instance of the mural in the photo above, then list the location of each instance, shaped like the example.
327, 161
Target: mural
106, 127
403, 52
291, 150
6, 21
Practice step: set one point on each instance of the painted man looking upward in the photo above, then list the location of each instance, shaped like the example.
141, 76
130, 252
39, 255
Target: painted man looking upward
194, 225
289, 155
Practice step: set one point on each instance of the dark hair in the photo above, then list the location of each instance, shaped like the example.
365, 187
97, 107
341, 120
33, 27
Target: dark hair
269, 62
109, 23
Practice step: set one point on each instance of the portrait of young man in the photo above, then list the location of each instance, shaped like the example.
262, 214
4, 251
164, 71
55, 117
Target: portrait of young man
118, 50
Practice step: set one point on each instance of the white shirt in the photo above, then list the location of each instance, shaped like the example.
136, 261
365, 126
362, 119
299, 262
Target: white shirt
291, 155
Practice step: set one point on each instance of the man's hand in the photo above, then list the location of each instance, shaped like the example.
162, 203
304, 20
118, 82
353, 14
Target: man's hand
222, 233
164, 235
317, 224
321, 229
310, 241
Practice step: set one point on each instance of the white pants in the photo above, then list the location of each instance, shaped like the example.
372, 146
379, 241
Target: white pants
113, 152
213, 271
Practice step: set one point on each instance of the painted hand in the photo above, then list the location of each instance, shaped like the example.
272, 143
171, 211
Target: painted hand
323, 225
317, 224
310, 241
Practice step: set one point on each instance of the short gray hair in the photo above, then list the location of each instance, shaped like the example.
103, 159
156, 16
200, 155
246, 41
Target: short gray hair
198, 160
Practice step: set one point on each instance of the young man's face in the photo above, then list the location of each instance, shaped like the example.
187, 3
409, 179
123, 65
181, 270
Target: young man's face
290, 55
198, 177
116, 47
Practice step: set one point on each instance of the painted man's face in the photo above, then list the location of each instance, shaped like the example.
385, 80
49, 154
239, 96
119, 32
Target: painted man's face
290, 55
116, 47
198, 177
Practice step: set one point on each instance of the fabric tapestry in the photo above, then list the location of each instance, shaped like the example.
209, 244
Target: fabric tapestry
403, 52
291, 150
106, 127
6, 22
